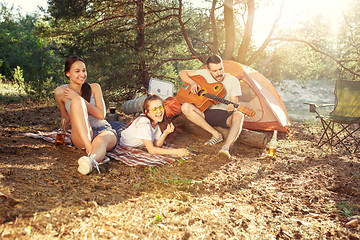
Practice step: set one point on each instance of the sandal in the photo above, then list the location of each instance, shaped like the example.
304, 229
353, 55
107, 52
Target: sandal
214, 140
105, 160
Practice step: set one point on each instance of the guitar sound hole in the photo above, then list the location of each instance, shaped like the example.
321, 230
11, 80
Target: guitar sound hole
216, 88
201, 92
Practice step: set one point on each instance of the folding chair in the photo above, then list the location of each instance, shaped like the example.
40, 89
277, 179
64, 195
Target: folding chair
342, 125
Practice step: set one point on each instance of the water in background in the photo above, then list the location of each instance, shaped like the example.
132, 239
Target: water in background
294, 94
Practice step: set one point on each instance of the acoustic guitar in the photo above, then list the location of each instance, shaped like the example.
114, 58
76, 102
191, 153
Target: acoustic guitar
209, 94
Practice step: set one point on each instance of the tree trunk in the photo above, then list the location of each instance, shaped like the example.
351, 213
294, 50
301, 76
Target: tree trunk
268, 39
245, 43
140, 43
214, 28
229, 29
183, 30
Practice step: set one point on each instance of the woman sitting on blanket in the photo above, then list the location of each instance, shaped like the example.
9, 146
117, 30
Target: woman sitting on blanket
144, 129
83, 104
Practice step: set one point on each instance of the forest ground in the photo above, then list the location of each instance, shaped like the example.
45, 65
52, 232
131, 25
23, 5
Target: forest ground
303, 193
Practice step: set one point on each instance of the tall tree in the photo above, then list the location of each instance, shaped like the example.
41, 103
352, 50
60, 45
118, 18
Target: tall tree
19, 47
229, 22
247, 53
128, 33
248, 29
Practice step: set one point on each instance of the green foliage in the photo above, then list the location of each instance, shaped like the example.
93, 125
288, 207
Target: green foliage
38, 60
10, 93
68, 8
5, 69
157, 218
348, 39
347, 209
152, 171
179, 180
106, 35
296, 60
19, 79
122, 55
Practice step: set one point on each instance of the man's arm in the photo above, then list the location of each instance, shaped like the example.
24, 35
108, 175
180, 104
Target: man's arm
235, 93
230, 107
185, 76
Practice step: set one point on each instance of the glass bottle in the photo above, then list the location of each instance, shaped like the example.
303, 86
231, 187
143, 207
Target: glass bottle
112, 116
60, 136
273, 145
112, 107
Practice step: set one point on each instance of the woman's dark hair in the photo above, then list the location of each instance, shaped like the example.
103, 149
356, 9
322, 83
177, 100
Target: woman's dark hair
151, 97
85, 88
213, 59
148, 99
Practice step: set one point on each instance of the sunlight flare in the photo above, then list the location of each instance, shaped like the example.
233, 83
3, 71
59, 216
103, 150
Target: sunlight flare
297, 12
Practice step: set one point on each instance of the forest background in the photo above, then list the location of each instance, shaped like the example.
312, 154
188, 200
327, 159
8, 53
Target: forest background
125, 43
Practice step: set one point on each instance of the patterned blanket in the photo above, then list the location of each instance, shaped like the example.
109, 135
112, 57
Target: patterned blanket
127, 155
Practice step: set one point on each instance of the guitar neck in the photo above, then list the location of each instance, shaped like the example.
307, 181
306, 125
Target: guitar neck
219, 99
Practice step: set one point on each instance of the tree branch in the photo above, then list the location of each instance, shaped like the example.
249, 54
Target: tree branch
182, 25
103, 21
161, 19
175, 59
267, 40
72, 32
159, 11
318, 51
245, 43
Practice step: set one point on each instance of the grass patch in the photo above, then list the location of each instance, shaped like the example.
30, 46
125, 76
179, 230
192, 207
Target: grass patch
152, 171
179, 180
9, 93
347, 209
157, 218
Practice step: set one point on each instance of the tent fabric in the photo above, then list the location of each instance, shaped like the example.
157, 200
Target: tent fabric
259, 94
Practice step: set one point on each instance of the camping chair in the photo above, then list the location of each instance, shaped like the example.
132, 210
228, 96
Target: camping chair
341, 126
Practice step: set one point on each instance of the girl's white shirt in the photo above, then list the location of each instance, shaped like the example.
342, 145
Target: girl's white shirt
138, 131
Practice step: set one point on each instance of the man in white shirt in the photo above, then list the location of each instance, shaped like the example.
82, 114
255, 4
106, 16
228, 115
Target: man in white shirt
226, 116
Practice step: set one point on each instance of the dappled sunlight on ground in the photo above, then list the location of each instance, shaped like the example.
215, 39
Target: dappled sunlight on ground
305, 192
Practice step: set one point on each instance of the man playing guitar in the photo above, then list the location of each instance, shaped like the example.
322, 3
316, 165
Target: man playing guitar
222, 115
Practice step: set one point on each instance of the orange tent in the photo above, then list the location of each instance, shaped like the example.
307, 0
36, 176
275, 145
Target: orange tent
259, 94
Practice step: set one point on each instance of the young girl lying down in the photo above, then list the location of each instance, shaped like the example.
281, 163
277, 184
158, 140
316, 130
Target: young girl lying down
145, 131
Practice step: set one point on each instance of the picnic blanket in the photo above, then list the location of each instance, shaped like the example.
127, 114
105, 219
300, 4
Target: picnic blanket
127, 155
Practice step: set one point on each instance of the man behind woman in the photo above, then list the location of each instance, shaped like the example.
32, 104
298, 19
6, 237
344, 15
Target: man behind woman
222, 115
83, 105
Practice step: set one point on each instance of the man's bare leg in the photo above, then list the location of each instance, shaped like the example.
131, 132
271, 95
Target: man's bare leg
235, 122
197, 117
